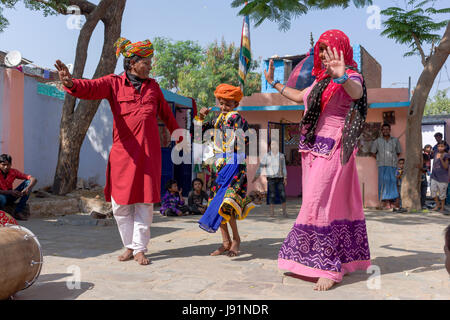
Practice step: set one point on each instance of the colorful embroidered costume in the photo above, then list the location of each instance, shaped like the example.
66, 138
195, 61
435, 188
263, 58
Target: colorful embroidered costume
329, 237
229, 171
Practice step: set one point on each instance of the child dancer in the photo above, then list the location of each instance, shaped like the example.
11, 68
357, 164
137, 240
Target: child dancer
227, 199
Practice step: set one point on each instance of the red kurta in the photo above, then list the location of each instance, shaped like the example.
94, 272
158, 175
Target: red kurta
133, 174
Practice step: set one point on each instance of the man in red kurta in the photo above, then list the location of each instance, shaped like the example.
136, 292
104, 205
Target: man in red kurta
133, 174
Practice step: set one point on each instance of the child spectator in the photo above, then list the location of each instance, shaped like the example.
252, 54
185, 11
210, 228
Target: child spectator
399, 176
22, 192
426, 170
447, 248
439, 138
439, 177
172, 204
197, 198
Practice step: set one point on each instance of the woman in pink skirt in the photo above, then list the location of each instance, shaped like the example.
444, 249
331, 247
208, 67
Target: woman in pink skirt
329, 237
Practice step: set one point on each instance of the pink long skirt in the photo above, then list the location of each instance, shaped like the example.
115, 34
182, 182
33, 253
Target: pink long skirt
329, 237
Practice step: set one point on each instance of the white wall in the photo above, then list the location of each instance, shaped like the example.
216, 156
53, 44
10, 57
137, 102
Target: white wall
428, 132
42, 116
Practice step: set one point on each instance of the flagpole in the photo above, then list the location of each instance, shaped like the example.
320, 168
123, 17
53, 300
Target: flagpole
245, 53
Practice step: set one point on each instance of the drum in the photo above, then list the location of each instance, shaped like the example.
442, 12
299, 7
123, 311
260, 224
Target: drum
20, 259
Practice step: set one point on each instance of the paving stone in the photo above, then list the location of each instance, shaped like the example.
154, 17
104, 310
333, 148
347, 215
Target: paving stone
187, 285
411, 262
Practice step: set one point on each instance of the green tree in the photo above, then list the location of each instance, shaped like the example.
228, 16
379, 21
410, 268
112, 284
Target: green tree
200, 71
173, 58
283, 11
440, 104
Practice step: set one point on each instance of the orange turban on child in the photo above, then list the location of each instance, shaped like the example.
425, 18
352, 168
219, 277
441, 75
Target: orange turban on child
229, 92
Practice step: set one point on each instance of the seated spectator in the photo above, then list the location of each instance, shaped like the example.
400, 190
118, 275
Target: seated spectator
439, 177
447, 248
197, 199
399, 176
172, 203
21, 193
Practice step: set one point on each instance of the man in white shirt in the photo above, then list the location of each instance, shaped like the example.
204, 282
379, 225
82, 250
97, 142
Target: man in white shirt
273, 166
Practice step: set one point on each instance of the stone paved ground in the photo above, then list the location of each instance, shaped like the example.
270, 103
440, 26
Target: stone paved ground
408, 248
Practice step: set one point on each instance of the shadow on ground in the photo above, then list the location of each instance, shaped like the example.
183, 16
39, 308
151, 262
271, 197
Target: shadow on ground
407, 218
46, 289
65, 241
254, 249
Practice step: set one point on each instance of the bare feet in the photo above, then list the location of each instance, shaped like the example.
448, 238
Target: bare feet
141, 259
234, 250
222, 249
324, 284
127, 255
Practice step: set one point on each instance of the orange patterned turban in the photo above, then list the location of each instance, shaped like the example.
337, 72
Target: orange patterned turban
141, 48
229, 92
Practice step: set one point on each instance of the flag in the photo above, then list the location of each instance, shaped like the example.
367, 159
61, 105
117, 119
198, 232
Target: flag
245, 56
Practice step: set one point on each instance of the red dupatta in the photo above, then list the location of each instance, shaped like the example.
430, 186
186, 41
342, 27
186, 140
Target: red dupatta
333, 39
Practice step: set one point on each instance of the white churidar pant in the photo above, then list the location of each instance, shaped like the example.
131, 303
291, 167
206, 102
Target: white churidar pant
133, 221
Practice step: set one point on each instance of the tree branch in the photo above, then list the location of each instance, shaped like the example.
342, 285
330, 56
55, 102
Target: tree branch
82, 44
419, 47
86, 7
429, 74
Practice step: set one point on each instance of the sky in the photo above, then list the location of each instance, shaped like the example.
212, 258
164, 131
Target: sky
45, 39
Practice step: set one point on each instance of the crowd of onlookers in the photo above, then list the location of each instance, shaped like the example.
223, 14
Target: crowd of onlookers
434, 172
437, 172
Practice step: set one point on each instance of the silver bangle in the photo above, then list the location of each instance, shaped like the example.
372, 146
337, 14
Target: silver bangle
284, 87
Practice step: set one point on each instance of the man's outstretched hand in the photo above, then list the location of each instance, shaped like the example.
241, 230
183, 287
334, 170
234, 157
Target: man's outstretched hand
64, 74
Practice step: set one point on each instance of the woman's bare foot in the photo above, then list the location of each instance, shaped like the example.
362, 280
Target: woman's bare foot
127, 255
324, 284
234, 250
141, 259
222, 249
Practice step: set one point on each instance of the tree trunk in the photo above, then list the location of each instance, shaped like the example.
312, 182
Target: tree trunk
76, 121
411, 181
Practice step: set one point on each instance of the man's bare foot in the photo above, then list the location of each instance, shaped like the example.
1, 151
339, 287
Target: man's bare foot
141, 259
234, 250
222, 249
127, 255
324, 284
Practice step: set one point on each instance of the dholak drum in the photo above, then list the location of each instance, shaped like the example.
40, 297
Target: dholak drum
20, 259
